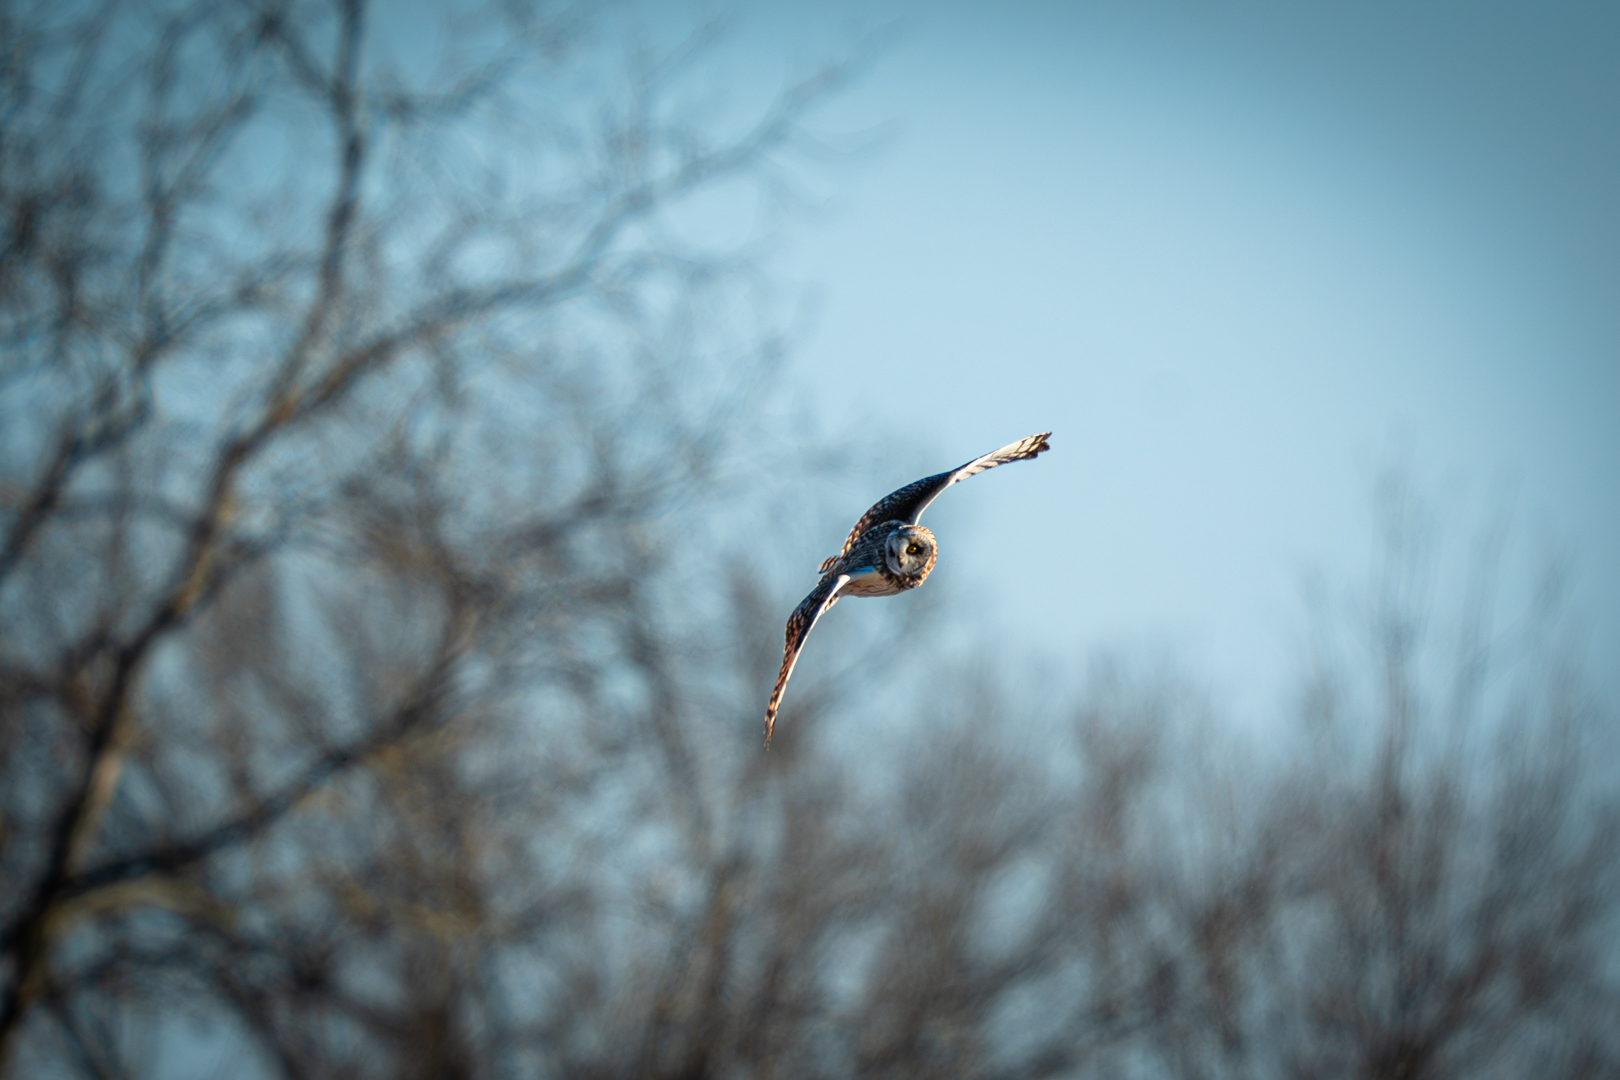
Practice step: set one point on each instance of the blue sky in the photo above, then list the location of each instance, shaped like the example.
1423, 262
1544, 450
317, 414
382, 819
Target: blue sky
1241, 257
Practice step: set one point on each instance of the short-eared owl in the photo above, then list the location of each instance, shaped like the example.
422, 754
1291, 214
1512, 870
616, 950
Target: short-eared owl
887, 552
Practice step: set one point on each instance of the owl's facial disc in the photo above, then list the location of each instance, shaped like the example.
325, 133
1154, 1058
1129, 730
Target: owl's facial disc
909, 550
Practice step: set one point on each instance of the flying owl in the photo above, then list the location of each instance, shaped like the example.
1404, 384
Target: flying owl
887, 552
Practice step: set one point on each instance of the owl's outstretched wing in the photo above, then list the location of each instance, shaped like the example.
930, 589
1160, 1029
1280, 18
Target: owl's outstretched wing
799, 625
909, 502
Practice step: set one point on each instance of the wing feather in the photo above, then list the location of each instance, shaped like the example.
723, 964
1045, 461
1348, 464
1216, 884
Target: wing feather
909, 502
799, 625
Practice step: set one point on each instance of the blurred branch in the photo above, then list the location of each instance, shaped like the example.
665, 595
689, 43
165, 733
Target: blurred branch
418, 712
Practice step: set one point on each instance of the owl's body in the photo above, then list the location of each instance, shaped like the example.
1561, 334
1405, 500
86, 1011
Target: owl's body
886, 553
868, 566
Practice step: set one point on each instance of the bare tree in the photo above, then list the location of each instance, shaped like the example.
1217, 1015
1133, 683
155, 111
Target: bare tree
1430, 892
351, 371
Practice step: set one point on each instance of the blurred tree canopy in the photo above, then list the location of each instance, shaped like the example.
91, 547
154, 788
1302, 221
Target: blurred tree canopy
379, 694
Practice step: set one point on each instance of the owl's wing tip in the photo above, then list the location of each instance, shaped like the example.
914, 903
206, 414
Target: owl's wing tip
1025, 449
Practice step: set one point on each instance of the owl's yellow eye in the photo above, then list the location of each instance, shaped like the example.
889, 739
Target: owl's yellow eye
913, 549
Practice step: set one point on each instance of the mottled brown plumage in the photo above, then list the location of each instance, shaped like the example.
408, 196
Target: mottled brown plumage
887, 552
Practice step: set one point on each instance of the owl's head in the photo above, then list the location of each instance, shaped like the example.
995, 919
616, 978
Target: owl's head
911, 550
